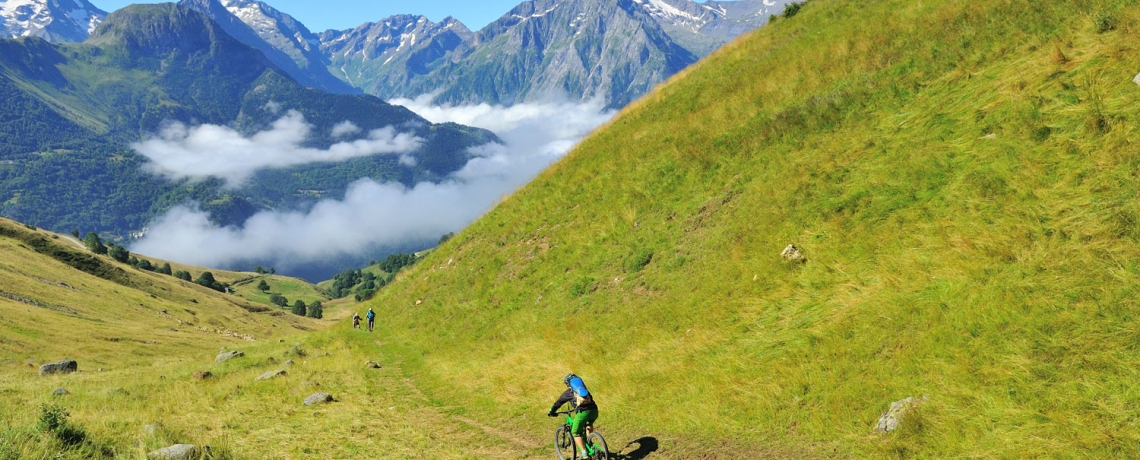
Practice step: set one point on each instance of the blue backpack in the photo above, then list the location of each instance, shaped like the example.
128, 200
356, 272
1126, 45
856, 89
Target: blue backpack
581, 394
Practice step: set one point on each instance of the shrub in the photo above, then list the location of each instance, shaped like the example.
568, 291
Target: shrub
279, 300
94, 243
639, 260
53, 419
299, 308
263, 286
145, 265
182, 275
164, 269
1104, 22
118, 253
583, 286
791, 9
316, 310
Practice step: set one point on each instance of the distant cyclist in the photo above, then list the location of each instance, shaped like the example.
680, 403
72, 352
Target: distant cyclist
371, 319
582, 407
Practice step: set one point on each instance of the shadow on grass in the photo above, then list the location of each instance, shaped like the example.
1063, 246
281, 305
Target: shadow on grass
645, 446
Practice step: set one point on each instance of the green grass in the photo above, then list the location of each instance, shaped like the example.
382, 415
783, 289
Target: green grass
966, 199
292, 288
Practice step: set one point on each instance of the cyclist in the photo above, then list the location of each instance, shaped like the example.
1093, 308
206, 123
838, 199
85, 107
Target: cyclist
583, 408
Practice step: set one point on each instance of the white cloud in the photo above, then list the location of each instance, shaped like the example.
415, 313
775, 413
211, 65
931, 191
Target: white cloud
219, 151
376, 215
344, 128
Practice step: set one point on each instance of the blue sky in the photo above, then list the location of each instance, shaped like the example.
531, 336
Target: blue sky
345, 14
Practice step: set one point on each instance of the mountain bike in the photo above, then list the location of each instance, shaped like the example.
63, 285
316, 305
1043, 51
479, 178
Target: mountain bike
566, 448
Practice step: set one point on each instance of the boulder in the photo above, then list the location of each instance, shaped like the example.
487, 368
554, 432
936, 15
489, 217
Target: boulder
228, 355
793, 254
894, 416
271, 374
203, 375
371, 365
66, 366
176, 452
289, 362
61, 391
318, 398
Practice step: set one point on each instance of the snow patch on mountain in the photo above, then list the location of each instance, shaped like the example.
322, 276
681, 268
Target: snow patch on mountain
52, 20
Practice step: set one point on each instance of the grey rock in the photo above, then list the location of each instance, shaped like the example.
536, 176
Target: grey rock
318, 398
289, 363
66, 366
371, 365
202, 375
226, 356
1136, 80
793, 254
61, 391
176, 452
115, 391
150, 429
310, 384
899, 410
271, 374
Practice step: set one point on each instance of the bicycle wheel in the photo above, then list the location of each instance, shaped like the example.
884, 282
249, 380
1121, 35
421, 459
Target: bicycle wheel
601, 450
564, 443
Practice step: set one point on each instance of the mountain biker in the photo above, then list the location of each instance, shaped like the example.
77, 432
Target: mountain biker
582, 407
371, 319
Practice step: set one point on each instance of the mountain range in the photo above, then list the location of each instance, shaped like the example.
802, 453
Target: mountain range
72, 115
539, 51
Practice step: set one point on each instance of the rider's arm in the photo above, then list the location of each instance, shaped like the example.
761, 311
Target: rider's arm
566, 397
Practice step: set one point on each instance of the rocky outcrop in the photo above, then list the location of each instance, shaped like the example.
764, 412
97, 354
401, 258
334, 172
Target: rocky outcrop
271, 374
61, 391
228, 355
66, 366
897, 413
793, 254
176, 452
318, 398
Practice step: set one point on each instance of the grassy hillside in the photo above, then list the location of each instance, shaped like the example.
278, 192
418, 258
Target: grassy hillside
139, 337
962, 178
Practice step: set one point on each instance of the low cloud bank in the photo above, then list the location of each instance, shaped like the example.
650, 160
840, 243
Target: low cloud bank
203, 151
376, 215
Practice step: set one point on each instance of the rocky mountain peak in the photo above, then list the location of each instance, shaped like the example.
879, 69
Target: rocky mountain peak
52, 20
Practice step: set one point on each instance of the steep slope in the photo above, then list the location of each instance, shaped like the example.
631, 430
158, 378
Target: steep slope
961, 178
76, 109
541, 50
286, 42
51, 20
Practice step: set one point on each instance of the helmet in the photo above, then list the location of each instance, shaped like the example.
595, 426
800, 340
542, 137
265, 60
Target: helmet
567, 379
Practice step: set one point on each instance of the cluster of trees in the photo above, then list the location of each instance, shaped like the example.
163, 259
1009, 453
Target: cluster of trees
365, 284
121, 254
313, 310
